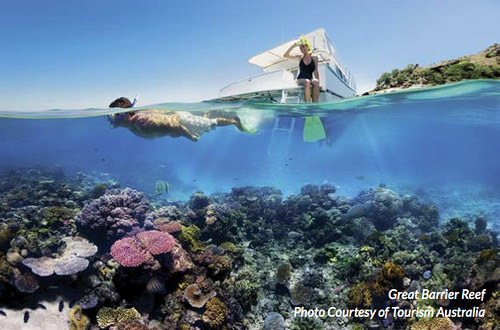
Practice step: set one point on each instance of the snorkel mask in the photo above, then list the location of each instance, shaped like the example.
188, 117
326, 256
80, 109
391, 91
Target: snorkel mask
304, 41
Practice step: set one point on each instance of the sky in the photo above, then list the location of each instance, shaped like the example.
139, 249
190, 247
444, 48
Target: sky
82, 54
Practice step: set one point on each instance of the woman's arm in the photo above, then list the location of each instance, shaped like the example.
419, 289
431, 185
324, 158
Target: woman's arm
287, 53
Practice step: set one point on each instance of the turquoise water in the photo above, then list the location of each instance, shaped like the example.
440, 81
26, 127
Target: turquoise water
434, 139
282, 222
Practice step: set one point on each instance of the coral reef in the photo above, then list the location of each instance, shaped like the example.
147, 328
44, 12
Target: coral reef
433, 324
283, 272
109, 316
195, 297
115, 214
78, 320
215, 313
237, 260
71, 261
135, 251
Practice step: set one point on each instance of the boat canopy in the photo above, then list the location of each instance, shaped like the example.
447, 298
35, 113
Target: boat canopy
273, 59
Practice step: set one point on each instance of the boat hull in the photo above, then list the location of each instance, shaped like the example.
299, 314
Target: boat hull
281, 86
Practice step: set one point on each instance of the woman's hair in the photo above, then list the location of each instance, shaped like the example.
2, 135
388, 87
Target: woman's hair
121, 102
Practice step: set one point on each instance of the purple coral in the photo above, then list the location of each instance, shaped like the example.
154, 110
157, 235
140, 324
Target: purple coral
156, 242
127, 253
115, 214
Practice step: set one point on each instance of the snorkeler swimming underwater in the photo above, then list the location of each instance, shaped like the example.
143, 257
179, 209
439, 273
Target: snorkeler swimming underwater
155, 123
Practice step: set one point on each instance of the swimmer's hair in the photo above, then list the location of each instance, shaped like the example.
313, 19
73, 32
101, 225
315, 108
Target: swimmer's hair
121, 102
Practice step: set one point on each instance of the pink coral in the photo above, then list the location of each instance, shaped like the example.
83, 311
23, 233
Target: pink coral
170, 227
127, 253
156, 242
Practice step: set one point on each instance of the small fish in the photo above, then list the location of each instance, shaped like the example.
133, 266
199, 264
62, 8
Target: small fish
42, 306
360, 178
52, 287
340, 288
61, 306
71, 304
26, 317
3, 313
294, 234
161, 187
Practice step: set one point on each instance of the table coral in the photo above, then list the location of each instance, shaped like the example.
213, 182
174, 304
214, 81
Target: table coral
71, 261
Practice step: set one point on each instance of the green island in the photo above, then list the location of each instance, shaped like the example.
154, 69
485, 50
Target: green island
483, 65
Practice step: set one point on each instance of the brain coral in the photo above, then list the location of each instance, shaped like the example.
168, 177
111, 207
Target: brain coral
115, 214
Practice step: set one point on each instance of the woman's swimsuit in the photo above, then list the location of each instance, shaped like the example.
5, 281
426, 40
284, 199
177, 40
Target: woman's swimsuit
306, 71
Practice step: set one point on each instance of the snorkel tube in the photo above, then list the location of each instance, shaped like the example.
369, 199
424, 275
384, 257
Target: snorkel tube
134, 101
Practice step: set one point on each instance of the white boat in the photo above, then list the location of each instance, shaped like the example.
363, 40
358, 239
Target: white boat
278, 81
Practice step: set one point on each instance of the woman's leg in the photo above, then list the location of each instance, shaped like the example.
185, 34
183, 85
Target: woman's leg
307, 88
315, 88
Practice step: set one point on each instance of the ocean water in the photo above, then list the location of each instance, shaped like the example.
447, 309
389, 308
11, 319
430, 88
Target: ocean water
439, 144
443, 139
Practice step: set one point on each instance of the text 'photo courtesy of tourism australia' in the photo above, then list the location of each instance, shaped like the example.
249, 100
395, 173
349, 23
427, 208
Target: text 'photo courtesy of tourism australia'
397, 312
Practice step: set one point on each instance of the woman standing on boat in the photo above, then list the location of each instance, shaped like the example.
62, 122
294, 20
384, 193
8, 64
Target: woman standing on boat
308, 67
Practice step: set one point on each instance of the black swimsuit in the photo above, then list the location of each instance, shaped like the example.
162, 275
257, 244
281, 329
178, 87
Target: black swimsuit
306, 71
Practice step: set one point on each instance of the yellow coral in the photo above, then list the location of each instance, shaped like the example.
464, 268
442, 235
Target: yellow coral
128, 314
216, 313
77, 320
486, 255
392, 272
389, 273
360, 295
189, 235
108, 316
437, 323
105, 317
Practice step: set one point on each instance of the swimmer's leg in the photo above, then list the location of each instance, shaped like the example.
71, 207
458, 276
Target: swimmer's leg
236, 122
307, 88
315, 88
